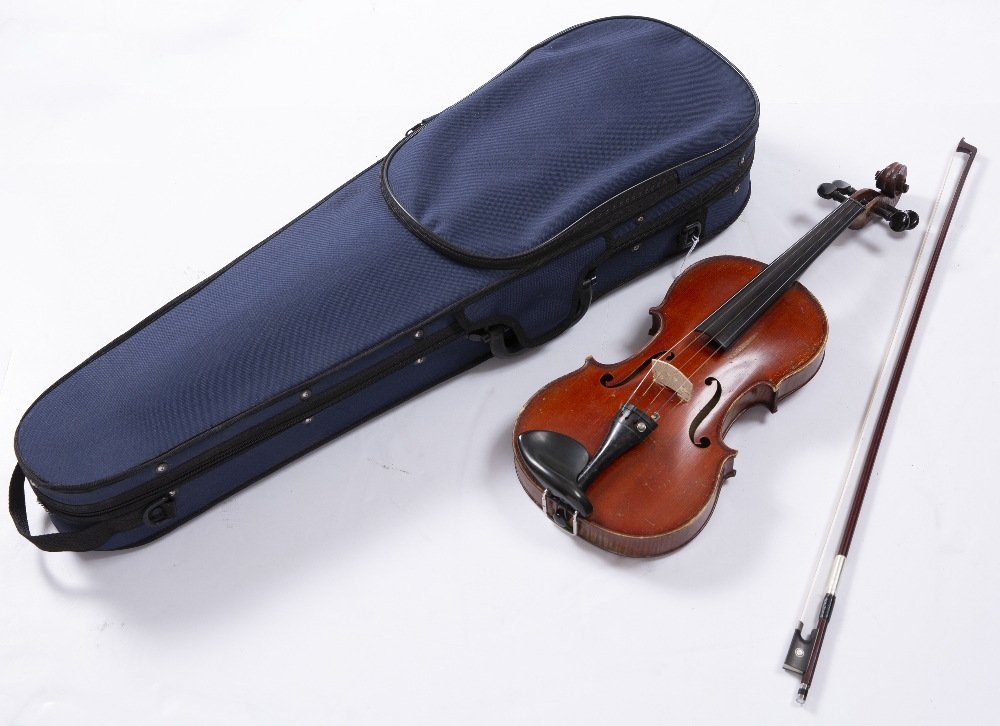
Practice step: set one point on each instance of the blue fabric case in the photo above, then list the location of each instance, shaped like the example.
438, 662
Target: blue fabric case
597, 155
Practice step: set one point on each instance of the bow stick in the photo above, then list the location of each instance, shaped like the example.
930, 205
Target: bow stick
805, 651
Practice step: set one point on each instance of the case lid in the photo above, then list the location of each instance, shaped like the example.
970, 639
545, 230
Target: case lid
338, 285
503, 176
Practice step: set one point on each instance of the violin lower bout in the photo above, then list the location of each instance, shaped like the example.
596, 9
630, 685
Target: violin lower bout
658, 496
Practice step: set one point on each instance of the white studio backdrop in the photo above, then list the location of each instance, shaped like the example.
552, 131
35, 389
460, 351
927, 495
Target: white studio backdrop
399, 574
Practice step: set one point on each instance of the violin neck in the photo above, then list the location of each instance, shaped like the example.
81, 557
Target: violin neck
725, 326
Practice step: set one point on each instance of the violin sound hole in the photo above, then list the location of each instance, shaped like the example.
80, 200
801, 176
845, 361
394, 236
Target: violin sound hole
608, 377
704, 442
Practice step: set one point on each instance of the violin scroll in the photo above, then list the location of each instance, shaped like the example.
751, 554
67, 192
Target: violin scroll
890, 185
891, 181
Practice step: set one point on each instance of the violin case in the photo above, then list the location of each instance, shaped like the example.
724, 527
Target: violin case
488, 229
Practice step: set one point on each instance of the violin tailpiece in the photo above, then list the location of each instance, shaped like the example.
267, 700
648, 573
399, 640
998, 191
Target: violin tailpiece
670, 377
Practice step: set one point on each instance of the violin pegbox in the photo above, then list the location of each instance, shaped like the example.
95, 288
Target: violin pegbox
881, 202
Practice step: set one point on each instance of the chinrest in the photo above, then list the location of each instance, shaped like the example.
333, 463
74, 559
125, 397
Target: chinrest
555, 461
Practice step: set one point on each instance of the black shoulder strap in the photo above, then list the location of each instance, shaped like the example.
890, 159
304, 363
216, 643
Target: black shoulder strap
83, 541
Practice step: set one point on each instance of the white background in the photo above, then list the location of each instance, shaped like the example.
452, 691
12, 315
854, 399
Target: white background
400, 574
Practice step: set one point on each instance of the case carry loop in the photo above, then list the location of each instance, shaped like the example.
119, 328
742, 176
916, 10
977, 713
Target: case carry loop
83, 541
503, 341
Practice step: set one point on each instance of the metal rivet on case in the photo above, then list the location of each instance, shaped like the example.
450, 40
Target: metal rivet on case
736, 191
635, 248
160, 468
742, 159
305, 394
418, 335
640, 219
419, 360
308, 420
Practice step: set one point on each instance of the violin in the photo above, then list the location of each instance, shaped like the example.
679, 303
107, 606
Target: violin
631, 457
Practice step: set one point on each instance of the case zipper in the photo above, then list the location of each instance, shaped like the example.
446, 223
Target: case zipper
131, 503
524, 259
727, 185
608, 215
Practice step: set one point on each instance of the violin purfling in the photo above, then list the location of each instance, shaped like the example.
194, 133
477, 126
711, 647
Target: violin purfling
631, 456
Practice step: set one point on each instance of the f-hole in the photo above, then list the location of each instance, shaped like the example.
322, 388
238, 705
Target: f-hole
704, 442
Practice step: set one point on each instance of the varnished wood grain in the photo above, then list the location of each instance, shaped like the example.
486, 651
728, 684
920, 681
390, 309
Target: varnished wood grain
659, 495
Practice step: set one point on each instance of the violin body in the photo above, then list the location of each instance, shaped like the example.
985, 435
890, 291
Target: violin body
657, 496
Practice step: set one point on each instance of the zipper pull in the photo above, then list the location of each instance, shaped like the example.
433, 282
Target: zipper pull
690, 236
162, 510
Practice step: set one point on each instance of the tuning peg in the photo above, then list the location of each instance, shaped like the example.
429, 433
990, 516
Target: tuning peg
830, 191
899, 221
827, 190
837, 189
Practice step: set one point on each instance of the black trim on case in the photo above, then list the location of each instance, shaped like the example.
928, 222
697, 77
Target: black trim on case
96, 535
456, 309
694, 206
705, 238
85, 540
594, 223
587, 226
260, 432
453, 309
299, 454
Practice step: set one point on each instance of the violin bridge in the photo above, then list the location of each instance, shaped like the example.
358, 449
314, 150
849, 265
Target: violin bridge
669, 377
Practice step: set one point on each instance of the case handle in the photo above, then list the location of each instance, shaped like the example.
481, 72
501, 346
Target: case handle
503, 342
586, 298
84, 540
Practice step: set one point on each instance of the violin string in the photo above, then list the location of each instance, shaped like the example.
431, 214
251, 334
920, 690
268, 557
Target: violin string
780, 266
650, 371
769, 271
818, 231
831, 220
803, 257
875, 389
